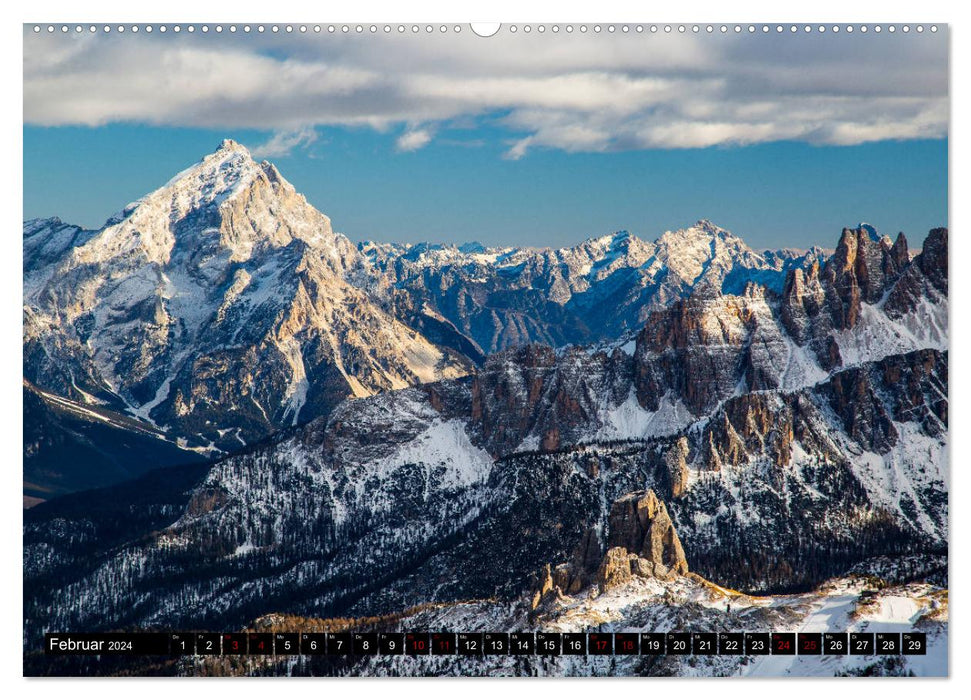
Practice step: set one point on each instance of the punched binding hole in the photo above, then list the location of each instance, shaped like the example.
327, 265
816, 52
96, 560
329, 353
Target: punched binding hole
485, 29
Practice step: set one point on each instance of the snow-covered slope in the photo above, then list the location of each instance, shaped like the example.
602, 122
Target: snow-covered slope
687, 604
71, 446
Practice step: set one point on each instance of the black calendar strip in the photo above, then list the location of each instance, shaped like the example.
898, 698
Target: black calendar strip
487, 643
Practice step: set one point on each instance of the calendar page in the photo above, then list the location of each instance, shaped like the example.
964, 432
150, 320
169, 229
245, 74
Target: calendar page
536, 349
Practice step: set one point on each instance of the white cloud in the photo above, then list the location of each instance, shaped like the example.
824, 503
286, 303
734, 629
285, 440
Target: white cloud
571, 92
283, 142
518, 149
413, 139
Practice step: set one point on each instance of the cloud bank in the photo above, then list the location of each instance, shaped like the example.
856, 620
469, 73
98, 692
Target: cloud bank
578, 93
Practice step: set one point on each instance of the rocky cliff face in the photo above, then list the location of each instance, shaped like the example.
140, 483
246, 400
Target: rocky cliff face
640, 525
641, 542
867, 282
696, 354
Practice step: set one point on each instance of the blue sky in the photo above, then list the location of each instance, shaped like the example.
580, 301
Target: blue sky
778, 194
784, 140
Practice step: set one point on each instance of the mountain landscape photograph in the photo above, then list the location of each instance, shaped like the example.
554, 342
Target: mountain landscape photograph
376, 331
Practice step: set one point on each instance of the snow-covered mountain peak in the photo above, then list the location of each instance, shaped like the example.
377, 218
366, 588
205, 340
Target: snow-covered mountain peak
227, 203
619, 245
225, 267
693, 251
609, 241
472, 247
701, 230
217, 177
709, 226
229, 145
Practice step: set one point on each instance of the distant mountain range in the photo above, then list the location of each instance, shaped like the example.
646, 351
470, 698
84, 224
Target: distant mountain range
505, 297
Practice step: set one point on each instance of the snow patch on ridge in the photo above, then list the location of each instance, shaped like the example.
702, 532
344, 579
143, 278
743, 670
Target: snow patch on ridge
802, 369
899, 479
631, 421
877, 336
444, 449
296, 393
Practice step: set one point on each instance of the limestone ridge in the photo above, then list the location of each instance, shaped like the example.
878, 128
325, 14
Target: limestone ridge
702, 353
866, 272
641, 541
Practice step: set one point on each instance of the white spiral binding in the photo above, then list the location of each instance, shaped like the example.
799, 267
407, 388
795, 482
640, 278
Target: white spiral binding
512, 28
